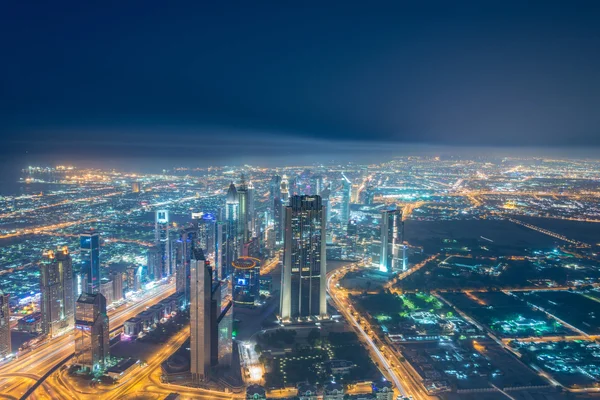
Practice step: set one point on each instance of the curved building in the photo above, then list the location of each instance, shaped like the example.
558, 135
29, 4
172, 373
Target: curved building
246, 284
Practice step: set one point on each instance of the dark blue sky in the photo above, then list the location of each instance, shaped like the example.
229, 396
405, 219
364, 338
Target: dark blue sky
148, 77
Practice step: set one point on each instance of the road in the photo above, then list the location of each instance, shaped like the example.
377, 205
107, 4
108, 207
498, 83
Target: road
41, 359
393, 368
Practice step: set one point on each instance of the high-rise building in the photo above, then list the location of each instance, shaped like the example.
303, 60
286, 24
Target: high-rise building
117, 282
154, 263
135, 187
304, 260
134, 279
392, 237
220, 248
90, 257
161, 240
56, 285
91, 331
200, 316
5, 343
246, 221
345, 203
250, 212
225, 327
106, 289
246, 285
232, 217
205, 225
183, 249
274, 188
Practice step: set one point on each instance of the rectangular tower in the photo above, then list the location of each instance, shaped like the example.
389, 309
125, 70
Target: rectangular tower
161, 240
5, 343
91, 331
200, 316
90, 257
56, 285
392, 232
304, 265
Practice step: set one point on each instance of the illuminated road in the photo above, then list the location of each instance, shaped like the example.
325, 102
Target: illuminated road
343, 305
41, 359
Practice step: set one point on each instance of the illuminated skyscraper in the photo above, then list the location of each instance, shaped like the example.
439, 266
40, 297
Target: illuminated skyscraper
5, 343
183, 250
392, 232
232, 217
161, 239
345, 203
205, 224
274, 188
56, 285
90, 257
200, 316
250, 212
304, 265
225, 324
91, 331
154, 263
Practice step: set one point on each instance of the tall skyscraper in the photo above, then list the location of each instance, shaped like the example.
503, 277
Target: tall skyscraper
232, 217
183, 249
250, 212
91, 331
161, 239
205, 224
225, 321
304, 264
220, 248
154, 263
56, 284
200, 316
278, 219
90, 256
117, 282
5, 343
274, 188
392, 232
345, 203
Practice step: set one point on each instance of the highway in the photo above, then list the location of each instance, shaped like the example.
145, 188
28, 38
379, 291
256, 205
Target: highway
393, 368
41, 359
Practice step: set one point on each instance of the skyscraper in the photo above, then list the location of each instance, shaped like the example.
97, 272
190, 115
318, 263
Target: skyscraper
56, 285
250, 212
5, 343
154, 263
200, 316
183, 250
345, 203
90, 256
161, 239
392, 232
232, 218
304, 265
91, 331
274, 188
225, 324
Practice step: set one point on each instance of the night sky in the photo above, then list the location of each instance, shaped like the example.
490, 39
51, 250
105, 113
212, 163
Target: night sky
143, 78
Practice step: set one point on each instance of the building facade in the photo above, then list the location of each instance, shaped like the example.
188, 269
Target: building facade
392, 238
90, 257
303, 277
200, 316
91, 331
57, 292
5, 342
163, 243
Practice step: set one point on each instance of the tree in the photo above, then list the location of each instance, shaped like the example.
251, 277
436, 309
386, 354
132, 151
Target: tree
313, 336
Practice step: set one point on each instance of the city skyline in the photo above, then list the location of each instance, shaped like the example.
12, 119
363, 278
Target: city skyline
300, 201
